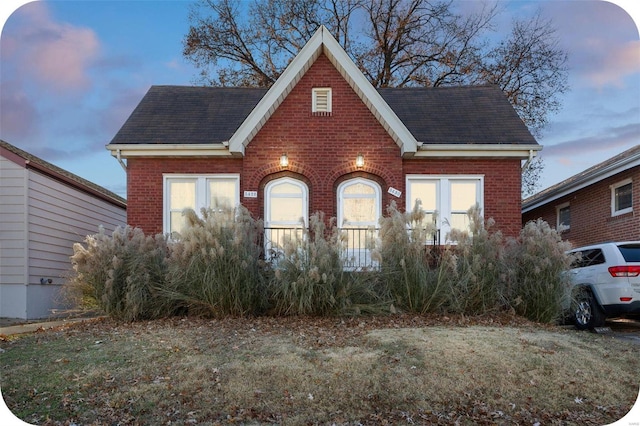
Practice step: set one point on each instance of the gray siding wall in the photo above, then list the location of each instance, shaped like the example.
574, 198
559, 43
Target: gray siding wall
13, 239
59, 216
40, 220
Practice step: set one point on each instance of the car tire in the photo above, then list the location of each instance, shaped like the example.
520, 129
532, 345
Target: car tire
587, 313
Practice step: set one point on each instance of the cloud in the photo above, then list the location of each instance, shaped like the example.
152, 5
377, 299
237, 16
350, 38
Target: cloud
18, 117
614, 65
622, 136
56, 56
601, 39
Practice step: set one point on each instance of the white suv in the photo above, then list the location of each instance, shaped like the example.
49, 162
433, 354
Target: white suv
606, 283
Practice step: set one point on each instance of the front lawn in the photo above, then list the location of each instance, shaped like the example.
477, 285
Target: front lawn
302, 370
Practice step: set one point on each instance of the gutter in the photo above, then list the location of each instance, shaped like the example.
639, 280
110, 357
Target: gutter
529, 160
122, 163
478, 150
123, 151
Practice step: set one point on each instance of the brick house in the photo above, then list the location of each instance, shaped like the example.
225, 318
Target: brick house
322, 138
600, 204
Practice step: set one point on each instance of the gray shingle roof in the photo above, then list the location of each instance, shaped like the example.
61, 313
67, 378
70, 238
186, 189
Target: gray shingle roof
458, 115
448, 115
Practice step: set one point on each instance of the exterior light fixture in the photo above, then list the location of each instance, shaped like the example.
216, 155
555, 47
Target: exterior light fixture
359, 160
284, 160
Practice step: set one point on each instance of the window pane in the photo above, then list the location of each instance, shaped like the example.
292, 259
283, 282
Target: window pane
564, 216
426, 193
623, 197
359, 210
286, 189
222, 193
286, 210
459, 221
463, 195
182, 195
176, 222
359, 189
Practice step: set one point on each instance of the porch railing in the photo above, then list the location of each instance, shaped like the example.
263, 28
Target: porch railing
357, 245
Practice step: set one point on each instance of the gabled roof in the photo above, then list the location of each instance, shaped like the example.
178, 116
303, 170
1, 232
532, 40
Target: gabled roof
323, 42
29, 161
614, 165
449, 121
443, 115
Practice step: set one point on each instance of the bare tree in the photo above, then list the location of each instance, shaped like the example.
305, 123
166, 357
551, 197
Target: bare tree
236, 44
531, 176
531, 70
395, 43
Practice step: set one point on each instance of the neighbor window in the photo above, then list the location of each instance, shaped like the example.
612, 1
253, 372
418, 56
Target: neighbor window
197, 192
321, 100
622, 197
445, 200
563, 213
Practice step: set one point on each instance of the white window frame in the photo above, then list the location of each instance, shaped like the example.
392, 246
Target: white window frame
314, 99
268, 220
202, 196
377, 196
356, 257
615, 186
443, 197
558, 223
273, 248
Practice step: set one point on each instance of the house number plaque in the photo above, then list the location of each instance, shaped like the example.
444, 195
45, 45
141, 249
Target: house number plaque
395, 192
250, 194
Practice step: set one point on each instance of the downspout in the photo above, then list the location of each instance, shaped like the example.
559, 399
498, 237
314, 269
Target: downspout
122, 163
529, 160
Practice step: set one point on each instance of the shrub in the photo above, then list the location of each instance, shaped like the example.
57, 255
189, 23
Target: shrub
405, 261
310, 277
535, 262
121, 273
475, 286
214, 266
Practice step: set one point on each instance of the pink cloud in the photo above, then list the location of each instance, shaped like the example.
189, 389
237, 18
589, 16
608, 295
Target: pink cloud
616, 64
55, 55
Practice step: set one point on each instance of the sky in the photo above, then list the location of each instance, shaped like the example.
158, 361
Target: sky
71, 72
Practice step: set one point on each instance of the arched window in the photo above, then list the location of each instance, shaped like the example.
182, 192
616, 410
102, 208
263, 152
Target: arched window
286, 212
359, 209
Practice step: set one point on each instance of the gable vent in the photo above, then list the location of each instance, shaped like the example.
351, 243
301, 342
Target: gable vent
321, 101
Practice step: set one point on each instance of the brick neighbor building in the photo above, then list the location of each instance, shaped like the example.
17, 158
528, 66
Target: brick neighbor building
600, 204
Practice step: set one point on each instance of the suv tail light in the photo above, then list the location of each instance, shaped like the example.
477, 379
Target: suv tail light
624, 271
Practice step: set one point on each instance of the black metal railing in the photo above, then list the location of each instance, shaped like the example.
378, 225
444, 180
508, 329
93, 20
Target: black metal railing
357, 244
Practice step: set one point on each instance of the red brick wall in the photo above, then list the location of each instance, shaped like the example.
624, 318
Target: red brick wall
590, 207
322, 152
144, 185
322, 148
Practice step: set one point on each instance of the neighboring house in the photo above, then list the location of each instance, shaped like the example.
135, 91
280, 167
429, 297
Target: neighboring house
600, 204
44, 210
322, 138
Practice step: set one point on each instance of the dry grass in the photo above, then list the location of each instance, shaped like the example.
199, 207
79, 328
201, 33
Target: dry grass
369, 370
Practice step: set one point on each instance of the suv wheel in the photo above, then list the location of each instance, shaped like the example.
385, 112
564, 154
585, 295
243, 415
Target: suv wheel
587, 314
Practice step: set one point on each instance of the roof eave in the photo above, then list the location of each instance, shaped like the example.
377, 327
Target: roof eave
169, 150
519, 151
